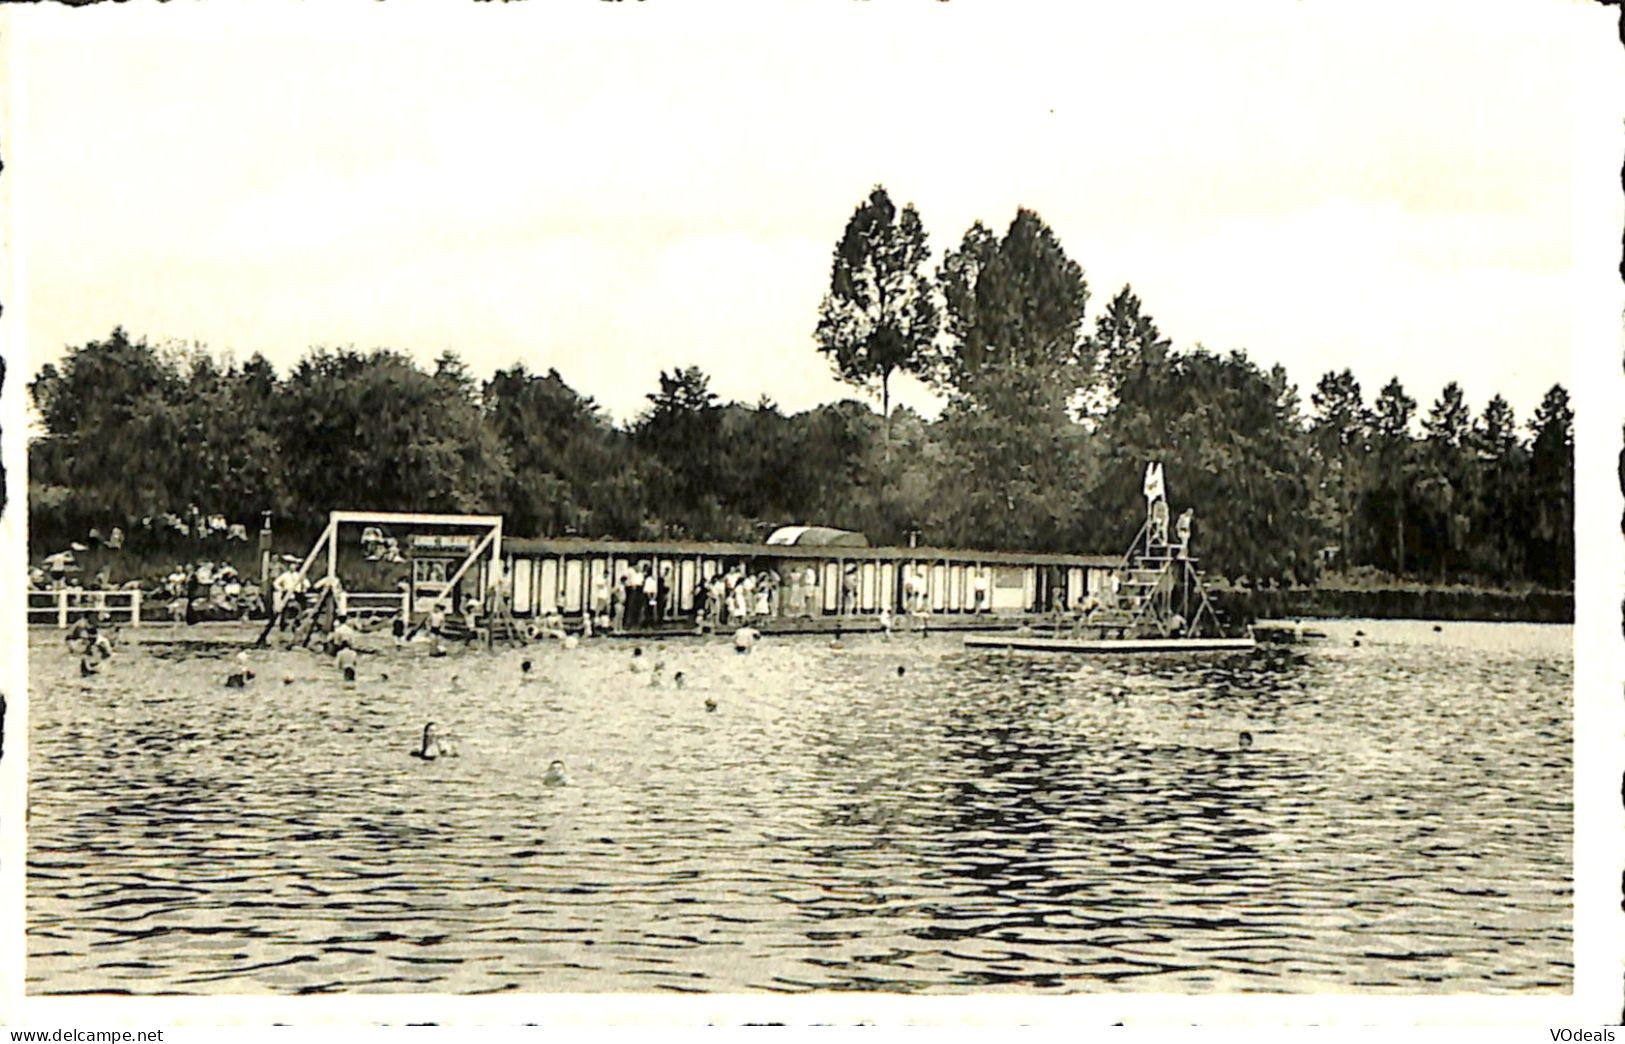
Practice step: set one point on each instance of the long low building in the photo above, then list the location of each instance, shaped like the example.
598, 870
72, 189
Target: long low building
574, 575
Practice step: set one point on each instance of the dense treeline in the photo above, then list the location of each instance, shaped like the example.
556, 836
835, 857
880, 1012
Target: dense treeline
1048, 423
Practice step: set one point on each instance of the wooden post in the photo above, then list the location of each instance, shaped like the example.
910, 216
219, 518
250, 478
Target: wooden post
62, 607
332, 548
135, 607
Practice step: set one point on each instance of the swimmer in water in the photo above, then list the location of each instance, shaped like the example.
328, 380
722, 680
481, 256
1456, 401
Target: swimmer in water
86, 668
240, 675
81, 630
710, 704
554, 776
901, 670
677, 679
524, 666
745, 639
430, 749
1245, 741
97, 644
346, 660
344, 635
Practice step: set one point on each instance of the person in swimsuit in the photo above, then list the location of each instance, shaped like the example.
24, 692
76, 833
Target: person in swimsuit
346, 659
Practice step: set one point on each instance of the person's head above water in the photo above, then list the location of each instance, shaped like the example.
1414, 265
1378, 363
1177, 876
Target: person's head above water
637, 650
1245, 740
524, 665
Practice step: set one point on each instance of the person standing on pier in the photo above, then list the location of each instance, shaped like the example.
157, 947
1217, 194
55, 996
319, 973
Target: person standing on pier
651, 597
634, 597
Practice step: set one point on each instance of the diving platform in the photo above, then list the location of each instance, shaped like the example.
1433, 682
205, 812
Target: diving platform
1154, 600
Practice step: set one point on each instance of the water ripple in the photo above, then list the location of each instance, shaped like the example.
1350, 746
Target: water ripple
983, 822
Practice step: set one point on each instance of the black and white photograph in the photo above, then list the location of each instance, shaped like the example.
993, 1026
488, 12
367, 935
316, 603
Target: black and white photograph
814, 511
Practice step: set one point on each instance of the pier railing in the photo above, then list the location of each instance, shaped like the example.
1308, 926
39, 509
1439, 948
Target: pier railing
62, 606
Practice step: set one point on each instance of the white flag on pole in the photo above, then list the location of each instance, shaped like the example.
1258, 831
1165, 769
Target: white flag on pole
1153, 482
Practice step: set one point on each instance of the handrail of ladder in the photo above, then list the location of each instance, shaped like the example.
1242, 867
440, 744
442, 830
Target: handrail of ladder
1128, 555
1145, 600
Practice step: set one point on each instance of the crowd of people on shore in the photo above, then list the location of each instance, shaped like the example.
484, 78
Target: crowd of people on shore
642, 597
204, 589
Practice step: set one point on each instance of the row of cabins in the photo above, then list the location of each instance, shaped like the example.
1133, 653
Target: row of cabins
572, 576
565, 574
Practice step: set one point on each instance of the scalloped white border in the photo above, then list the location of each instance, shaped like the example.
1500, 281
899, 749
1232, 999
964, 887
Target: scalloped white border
1597, 75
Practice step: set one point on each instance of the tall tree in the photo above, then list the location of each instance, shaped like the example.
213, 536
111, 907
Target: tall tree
373, 431
1016, 465
1445, 480
1012, 363
1013, 303
1500, 508
1340, 432
1551, 478
87, 406
1126, 339
879, 316
681, 431
558, 443
1391, 434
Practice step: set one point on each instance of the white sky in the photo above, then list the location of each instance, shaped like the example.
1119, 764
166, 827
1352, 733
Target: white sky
616, 188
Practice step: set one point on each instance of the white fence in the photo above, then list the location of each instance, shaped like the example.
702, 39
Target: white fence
63, 606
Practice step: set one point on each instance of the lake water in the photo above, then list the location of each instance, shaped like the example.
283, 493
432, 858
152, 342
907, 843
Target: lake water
983, 821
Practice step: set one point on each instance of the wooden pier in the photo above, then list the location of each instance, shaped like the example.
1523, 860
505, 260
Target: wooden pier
1033, 643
